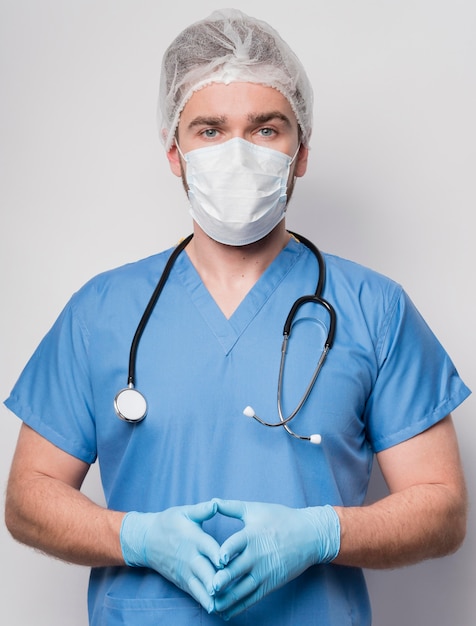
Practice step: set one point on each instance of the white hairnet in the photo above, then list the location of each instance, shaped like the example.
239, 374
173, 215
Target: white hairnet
229, 46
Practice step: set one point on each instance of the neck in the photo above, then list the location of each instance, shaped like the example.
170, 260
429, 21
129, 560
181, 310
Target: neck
229, 272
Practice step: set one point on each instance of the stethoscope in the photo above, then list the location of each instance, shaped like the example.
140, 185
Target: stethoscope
130, 404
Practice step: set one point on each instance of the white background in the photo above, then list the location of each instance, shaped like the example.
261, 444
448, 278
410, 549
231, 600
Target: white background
85, 186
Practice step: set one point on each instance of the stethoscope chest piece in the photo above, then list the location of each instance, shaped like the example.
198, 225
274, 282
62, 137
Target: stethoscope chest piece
130, 405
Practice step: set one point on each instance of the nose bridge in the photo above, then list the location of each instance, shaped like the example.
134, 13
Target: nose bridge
238, 135
240, 129
239, 126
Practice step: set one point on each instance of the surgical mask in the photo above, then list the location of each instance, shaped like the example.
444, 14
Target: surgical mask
237, 190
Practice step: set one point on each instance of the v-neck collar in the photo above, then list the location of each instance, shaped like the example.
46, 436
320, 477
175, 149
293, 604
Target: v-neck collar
228, 330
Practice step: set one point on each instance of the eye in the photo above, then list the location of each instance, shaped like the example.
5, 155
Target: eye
210, 133
266, 132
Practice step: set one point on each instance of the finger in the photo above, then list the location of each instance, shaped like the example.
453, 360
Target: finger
198, 591
232, 572
232, 546
209, 550
202, 569
207, 546
238, 597
231, 508
202, 511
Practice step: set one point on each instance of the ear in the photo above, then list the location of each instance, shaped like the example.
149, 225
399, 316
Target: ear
173, 157
301, 161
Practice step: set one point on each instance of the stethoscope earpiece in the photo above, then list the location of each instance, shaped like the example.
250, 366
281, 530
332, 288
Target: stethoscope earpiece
316, 299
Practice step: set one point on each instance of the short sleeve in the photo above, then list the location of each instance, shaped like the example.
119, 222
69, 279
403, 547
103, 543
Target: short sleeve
417, 384
53, 394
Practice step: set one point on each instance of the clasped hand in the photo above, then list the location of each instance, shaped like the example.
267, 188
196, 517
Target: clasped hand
275, 545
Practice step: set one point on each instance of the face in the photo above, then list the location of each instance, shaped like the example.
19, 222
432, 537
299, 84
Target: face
259, 114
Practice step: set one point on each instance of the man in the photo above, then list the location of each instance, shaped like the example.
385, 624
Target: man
210, 515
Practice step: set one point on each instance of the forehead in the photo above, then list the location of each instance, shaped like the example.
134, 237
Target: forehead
236, 101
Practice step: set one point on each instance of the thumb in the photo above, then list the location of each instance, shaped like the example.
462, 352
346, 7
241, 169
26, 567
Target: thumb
202, 511
233, 546
231, 508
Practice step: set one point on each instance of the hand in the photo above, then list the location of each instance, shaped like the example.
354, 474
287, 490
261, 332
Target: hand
276, 544
173, 543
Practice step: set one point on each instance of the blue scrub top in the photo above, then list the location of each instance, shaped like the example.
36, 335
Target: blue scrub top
386, 379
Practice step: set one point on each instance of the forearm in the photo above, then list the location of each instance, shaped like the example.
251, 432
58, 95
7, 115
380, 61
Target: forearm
421, 522
59, 520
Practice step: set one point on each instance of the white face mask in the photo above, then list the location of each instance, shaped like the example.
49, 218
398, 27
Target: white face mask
237, 190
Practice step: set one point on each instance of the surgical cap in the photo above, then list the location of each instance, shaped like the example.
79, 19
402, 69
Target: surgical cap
227, 47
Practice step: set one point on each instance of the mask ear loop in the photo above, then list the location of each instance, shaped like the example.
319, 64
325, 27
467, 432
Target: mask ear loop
180, 151
295, 154
291, 179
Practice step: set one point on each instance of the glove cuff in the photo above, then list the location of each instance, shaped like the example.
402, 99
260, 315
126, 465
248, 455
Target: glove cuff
132, 536
326, 524
331, 547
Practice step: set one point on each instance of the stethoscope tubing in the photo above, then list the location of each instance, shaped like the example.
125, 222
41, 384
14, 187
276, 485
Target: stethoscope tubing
131, 397
150, 307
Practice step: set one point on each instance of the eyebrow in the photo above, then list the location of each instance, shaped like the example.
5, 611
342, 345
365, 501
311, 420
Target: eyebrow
262, 118
255, 118
207, 121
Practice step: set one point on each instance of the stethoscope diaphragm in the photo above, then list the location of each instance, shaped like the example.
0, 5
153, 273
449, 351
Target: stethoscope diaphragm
130, 405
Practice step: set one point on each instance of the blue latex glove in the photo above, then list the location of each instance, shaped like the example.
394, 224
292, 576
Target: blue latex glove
173, 543
276, 544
